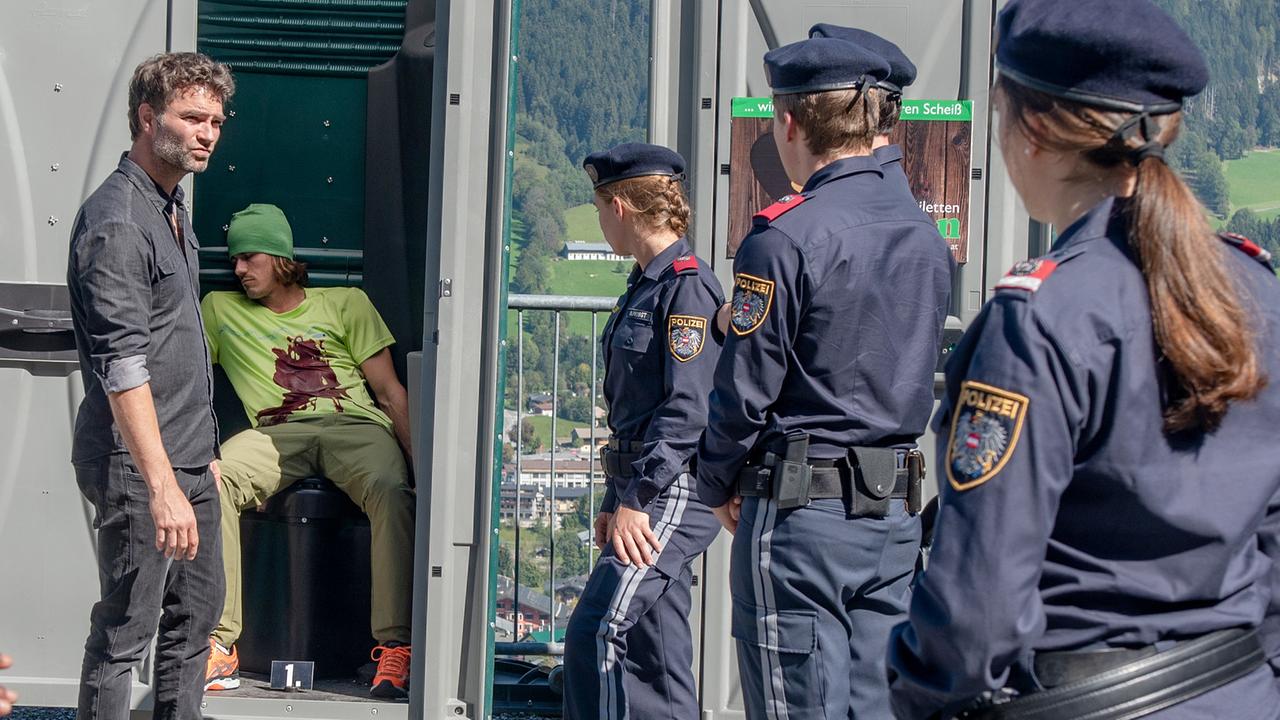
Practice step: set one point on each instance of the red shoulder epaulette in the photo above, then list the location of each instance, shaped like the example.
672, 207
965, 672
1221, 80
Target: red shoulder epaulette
1250, 248
776, 210
685, 264
1027, 275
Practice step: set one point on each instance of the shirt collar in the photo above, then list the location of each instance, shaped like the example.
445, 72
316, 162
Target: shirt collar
663, 260
1102, 220
888, 154
153, 192
843, 168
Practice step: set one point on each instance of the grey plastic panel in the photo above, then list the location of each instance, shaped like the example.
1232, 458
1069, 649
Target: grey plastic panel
64, 71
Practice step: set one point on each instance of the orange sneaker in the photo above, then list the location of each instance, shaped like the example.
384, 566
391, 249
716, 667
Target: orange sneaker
392, 677
223, 670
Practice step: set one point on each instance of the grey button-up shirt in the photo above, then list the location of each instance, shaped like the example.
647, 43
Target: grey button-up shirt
135, 301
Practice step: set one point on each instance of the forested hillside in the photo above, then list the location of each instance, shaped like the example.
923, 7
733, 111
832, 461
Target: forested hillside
583, 86
1240, 109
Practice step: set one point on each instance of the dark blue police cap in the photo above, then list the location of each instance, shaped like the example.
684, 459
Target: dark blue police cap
902, 72
822, 64
1124, 56
630, 160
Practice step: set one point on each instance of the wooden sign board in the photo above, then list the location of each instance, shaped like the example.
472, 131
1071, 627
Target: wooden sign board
936, 139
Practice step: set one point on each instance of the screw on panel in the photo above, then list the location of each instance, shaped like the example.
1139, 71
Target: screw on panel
288, 708
329, 179
57, 87
231, 113
324, 239
231, 168
54, 167
14, 321
52, 221
327, 123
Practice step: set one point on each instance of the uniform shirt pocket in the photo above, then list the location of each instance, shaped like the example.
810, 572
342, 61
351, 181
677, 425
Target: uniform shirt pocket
633, 335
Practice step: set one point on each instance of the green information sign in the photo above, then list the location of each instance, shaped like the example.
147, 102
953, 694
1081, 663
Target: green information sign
926, 110
753, 107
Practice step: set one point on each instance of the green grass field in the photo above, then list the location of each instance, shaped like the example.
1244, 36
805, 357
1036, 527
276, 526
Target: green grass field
586, 277
1255, 182
542, 428
581, 224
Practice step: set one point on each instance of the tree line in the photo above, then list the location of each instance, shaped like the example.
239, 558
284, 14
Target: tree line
1239, 110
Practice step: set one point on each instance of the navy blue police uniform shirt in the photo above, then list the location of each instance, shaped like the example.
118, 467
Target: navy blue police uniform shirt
660, 349
1068, 519
890, 157
840, 294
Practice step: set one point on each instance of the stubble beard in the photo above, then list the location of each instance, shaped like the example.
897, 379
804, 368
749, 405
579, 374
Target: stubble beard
170, 149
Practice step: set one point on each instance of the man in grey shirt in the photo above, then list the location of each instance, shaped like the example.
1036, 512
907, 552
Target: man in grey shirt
145, 436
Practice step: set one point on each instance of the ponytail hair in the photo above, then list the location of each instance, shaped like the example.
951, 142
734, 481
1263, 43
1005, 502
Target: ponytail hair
657, 201
1201, 327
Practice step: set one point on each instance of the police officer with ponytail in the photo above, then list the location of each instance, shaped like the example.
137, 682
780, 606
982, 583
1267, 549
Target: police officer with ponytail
1108, 428
628, 648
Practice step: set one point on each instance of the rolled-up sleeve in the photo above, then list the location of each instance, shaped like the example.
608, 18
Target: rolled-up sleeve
113, 267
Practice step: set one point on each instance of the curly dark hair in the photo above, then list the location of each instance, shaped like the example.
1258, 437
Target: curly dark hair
159, 79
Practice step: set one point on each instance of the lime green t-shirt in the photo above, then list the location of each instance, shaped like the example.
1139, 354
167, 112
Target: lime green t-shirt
301, 363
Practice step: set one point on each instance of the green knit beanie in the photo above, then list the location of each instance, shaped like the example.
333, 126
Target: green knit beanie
260, 228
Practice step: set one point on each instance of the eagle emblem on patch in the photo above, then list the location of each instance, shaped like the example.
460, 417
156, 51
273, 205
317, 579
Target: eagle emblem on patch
752, 299
984, 431
685, 336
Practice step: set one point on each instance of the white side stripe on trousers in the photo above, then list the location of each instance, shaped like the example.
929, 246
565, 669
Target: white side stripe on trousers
606, 655
775, 692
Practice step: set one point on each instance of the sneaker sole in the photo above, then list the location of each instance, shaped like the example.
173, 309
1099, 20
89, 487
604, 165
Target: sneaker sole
222, 684
386, 689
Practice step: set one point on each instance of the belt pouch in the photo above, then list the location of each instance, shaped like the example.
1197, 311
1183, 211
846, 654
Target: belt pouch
875, 471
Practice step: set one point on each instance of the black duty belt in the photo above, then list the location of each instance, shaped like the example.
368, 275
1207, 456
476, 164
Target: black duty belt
1128, 684
868, 477
616, 458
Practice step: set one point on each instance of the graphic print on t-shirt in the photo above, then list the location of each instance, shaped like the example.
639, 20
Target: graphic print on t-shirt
306, 376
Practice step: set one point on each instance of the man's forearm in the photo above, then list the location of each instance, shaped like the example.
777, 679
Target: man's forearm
135, 415
396, 406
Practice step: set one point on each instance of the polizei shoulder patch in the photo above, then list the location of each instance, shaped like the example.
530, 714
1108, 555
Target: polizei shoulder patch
685, 336
984, 431
784, 205
1027, 275
752, 299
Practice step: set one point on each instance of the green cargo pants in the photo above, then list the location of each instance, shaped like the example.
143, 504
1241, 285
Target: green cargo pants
360, 457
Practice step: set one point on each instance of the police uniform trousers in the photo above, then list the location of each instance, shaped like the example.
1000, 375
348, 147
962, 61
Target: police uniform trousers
628, 647
815, 594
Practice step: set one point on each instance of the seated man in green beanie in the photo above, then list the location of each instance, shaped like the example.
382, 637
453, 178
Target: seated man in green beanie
299, 359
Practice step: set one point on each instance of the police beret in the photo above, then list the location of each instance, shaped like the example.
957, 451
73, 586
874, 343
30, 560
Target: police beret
821, 64
902, 72
630, 160
1125, 56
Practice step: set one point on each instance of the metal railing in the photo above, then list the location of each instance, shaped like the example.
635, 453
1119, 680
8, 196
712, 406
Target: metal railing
558, 305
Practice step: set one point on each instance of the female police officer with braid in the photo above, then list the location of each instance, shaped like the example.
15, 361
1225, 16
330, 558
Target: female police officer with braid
1110, 417
628, 649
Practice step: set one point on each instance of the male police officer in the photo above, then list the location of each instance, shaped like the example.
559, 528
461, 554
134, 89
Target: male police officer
902, 72
824, 385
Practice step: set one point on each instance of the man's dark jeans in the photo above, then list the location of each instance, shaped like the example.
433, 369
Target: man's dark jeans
141, 590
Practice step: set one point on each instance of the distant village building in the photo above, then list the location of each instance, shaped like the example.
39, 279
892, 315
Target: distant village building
535, 504
569, 472
582, 436
590, 251
534, 613
540, 404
